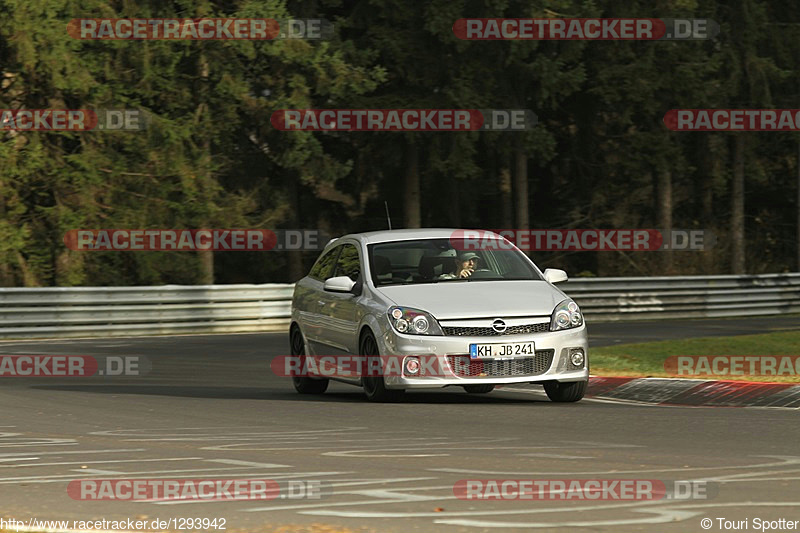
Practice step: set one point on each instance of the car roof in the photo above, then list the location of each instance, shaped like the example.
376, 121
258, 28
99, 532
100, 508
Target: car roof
372, 237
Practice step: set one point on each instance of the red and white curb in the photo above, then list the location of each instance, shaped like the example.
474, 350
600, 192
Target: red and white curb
696, 392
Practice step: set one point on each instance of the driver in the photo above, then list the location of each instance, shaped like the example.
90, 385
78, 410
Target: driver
464, 266
467, 264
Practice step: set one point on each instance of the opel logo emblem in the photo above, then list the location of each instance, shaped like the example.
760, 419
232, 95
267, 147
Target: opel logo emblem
499, 326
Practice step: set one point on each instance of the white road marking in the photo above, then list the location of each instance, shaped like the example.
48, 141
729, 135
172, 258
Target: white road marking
272, 477
394, 495
301, 509
553, 456
332, 444
98, 472
130, 475
231, 433
115, 345
130, 450
608, 472
64, 463
366, 453
663, 516
595, 399
398, 498
40, 442
348, 483
674, 514
247, 463
491, 512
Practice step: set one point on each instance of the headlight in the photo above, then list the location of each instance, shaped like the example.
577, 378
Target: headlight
413, 322
566, 315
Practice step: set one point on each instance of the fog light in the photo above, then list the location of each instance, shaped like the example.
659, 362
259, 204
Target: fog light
411, 365
577, 358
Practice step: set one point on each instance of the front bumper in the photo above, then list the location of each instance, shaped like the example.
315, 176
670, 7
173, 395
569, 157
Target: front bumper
557, 369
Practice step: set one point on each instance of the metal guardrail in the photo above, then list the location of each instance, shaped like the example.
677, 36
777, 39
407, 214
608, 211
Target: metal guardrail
652, 298
124, 311
171, 309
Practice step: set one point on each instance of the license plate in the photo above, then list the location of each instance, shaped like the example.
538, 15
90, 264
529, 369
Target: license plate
501, 351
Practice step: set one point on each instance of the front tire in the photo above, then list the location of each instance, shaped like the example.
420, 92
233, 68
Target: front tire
375, 386
303, 384
565, 392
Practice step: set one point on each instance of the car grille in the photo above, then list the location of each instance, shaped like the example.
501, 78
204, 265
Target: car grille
489, 332
464, 367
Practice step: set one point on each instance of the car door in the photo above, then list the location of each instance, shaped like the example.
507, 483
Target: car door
309, 299
340, 310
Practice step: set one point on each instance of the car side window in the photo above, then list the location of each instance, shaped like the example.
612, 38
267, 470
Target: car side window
323, 268
348, 263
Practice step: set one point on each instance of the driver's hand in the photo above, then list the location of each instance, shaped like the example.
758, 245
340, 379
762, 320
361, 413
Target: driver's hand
466, 273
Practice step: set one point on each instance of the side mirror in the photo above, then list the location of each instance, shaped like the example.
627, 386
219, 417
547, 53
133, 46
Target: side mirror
555, 275
339, 284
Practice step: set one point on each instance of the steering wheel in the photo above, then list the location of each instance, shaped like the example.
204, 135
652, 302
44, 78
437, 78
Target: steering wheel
484, 273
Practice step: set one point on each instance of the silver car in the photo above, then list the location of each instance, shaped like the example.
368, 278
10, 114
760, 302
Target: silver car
424, 312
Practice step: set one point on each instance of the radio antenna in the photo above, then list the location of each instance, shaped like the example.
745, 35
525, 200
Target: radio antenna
388, 218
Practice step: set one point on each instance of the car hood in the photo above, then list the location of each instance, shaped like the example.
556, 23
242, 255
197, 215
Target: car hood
477, 299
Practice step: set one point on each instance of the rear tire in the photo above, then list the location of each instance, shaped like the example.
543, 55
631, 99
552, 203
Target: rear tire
374, 386
565, 392
478, 389
302, 384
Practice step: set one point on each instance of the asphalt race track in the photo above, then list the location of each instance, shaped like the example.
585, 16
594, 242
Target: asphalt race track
210, 408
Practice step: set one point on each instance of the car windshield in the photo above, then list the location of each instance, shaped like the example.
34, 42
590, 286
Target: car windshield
437, 261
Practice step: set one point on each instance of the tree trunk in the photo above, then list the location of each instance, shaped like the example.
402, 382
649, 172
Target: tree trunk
206, 256
6, 276
453, 195
411, 205
737, 207
708, 172
665, 214
295, 257
206, 267
521, 189
506, 206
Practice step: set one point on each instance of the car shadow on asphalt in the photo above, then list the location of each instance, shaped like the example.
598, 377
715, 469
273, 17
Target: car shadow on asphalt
454, 396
